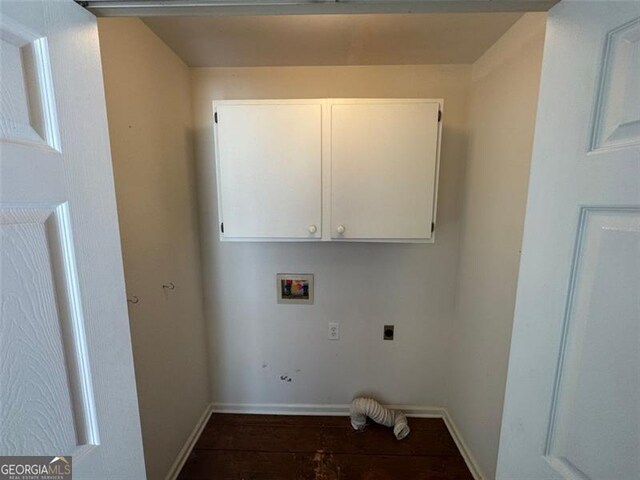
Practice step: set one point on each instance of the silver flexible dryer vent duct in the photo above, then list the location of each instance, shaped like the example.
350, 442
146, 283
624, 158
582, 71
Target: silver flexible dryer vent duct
362, 407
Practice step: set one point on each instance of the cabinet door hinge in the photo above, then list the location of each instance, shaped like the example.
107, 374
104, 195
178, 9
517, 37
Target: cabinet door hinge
222, 227
439, 115
215, 117
433, 227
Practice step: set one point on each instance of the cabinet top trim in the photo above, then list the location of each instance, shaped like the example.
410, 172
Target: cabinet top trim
329, 101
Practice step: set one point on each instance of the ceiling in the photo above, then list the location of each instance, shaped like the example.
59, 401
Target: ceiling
305, 40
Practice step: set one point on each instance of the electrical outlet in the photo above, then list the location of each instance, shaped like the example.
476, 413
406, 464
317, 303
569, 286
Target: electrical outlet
334, 331
388, 332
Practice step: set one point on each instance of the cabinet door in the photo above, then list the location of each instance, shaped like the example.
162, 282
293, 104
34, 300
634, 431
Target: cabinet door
383, 169
269, 162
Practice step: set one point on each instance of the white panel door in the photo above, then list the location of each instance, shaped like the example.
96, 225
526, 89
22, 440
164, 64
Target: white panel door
66, 371
269, 166
384, 160
572, 406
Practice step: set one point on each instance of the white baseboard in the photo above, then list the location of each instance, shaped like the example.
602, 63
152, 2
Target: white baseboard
281, 409
327, 410
185, 451
471, 462
310, 409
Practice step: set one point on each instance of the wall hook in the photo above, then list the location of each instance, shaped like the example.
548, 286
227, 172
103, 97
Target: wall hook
171, 286
133, 299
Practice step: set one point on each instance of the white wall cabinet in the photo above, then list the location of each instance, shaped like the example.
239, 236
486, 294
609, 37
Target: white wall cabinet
383, 168
269, 169
332, 169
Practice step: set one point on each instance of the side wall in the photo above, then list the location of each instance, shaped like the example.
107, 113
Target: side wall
257, 345
149, 109
504, 92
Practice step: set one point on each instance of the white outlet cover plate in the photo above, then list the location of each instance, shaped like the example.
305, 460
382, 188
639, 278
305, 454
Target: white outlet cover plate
334, 331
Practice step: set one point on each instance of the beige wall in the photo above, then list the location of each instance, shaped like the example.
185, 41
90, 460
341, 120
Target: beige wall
149, 109
253, 341
504, 91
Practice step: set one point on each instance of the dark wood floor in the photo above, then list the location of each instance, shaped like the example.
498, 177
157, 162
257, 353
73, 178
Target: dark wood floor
250, 447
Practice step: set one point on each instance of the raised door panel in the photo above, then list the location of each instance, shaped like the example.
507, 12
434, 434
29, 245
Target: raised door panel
269, 164
46, 401
617, 122
27, 113
596, 406
384, 159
